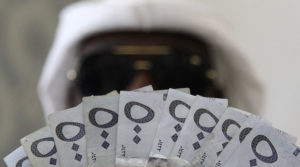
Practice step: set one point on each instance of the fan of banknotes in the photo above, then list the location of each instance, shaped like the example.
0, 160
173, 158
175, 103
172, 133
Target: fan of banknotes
146, 128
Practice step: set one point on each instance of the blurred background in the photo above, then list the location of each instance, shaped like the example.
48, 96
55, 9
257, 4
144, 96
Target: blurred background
268, 32
26, 33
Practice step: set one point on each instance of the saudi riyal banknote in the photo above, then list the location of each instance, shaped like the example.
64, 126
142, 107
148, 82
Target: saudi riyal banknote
68, 131
174, 113
200, 122
17, 158
265, 146
252, 122
215, 143
164, 128
40, 148
147, 88
100, 115
237, 139
139, 115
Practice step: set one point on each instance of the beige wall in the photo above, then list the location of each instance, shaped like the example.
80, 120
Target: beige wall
269, 33
26, 33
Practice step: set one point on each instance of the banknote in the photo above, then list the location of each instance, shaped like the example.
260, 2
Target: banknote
139, 115
17, 158
40, 148
200, 122
176, 162
161, 128
237, 139
68, 131
172, 119
100, 115
215, 143
247, 127
265, 146
165, 91
147, 88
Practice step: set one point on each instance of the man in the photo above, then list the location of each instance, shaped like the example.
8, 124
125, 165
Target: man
106, 45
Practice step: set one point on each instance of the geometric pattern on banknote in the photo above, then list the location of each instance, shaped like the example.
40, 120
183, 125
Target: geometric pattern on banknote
197, 116
104, 135
78, 156
53, 161
112, 122
35, 151
145, 119
172, 109
218, 153
177, 128
244, 133
165, 96
225, 126
21, 161
75, 147
137, 130
253, 162
136, 139
223, 145
196, 144
174, 137
266, 159
79, 135
296, 152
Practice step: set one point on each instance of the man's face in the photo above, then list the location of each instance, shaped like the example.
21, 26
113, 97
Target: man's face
129, 60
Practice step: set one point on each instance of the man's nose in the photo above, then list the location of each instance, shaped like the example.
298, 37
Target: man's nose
140, 79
